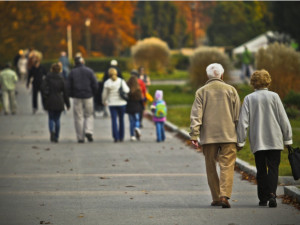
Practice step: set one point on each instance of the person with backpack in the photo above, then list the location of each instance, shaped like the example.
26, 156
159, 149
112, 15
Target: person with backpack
159, 110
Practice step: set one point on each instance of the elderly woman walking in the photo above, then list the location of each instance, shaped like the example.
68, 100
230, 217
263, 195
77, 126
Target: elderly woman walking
117, 105
263, 113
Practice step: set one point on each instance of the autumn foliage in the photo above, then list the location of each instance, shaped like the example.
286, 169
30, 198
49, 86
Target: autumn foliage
43, 25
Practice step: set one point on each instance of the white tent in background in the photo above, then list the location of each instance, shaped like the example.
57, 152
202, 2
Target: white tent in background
255, 44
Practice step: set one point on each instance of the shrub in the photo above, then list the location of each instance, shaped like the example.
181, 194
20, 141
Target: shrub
151, 53
292, 99
283, 64
202, 57
292, 112
180, 62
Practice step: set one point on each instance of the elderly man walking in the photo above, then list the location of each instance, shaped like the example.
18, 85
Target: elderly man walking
214, 117
82, 85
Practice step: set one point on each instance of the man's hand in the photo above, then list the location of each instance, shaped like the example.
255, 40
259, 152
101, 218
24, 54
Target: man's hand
195, 143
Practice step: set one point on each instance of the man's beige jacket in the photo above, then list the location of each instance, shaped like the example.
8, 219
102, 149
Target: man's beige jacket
215, 113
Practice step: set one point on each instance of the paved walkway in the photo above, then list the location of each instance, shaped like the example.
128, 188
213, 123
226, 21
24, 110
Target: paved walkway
103, 183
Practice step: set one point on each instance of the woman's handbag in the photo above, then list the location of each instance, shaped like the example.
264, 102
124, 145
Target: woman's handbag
122, 93
294, 158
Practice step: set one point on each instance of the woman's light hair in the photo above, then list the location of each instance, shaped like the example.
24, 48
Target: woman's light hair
214, 70
112, 72
260, 79
56, 67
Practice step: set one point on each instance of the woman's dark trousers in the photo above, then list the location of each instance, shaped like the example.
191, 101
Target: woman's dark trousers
267, 164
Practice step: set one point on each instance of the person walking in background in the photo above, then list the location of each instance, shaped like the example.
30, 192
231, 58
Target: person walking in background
144, 77
263, 113
55, 96
82, 86
16, 60
159, 110
117, 105
144, 91
113, 64
246, 65
37, 72
8, 79
22, 66
134, 107
214, 117
65, 64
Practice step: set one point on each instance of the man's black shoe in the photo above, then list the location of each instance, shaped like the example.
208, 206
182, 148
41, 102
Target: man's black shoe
89, 137
81, 141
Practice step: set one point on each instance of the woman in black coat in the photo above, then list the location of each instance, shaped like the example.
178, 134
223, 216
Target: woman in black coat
134, 107
54, 98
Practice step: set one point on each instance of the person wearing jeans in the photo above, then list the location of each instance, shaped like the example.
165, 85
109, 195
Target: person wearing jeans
117, 128
134, 120
117, 105
134, 106
55, 97
159, 118
160, 131
54, 124
263, 113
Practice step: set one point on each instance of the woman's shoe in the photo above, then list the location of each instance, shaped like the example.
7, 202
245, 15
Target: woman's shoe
132, 138
263, 203
52, 137
272, 201
137, 132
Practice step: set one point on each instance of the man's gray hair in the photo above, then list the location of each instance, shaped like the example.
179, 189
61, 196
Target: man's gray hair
214, 70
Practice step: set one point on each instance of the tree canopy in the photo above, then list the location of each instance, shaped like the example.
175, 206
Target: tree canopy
234, 23
115, 26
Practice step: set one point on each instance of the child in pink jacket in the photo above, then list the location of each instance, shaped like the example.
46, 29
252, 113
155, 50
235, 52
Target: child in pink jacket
159, 110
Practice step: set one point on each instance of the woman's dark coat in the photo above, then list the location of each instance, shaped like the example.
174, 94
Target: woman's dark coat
134, 103
54, 92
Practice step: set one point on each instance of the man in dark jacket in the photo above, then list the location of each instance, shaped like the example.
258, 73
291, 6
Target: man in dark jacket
37, 72
82, 85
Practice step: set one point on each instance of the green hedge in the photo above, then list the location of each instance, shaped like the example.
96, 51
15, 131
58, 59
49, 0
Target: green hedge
101, 64
97, 64
178, 61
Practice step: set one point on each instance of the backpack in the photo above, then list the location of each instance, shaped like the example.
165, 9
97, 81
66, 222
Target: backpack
161, 109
